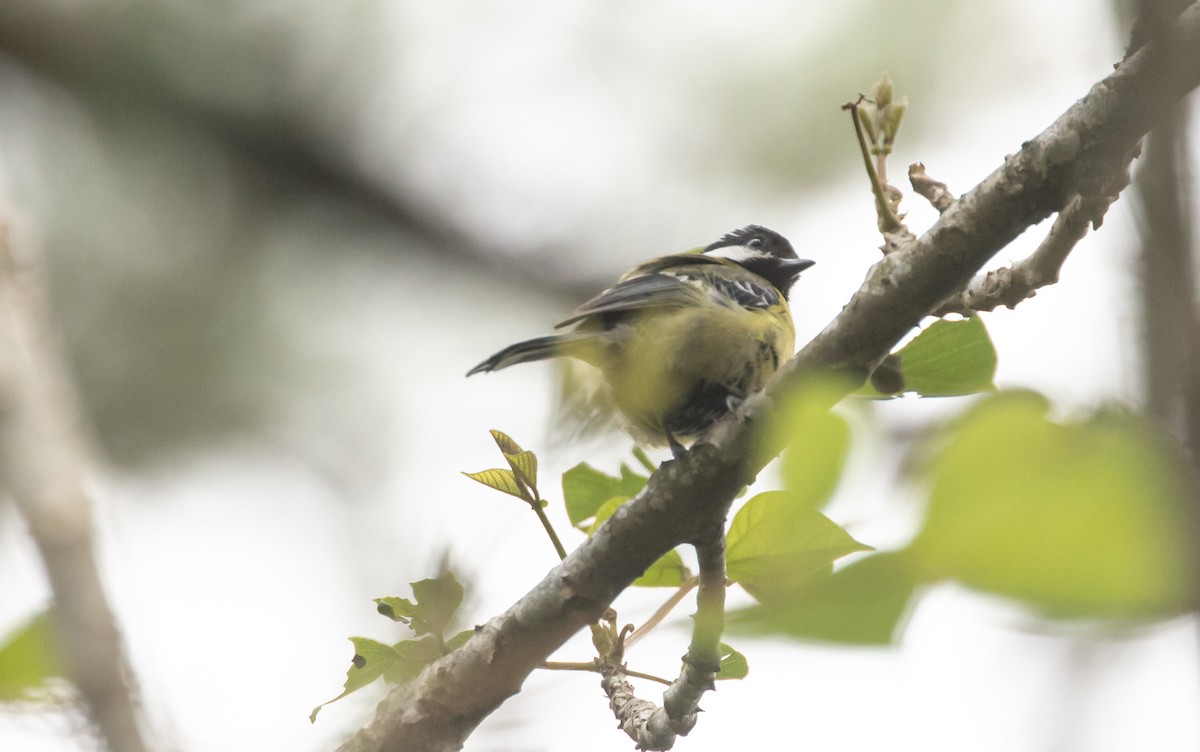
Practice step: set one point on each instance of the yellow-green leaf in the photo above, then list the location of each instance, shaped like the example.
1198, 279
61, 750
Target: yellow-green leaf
733, 664
394, 663
506, 443
28, 658
1078, 519
864, 603
586, 489
524, 466
776, 547
501, 479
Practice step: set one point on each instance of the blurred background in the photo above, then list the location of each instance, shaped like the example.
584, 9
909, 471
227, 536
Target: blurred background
277, 234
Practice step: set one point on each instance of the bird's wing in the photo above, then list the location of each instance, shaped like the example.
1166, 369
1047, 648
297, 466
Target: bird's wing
663, 290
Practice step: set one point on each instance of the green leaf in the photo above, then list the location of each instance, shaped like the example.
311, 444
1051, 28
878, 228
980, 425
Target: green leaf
502, 480
374, 659
668, 571
819, 444
950, 358
437, 600
586, 489
775, 547
458, 640
733, 664
414, 655
947, 359
1078, 519
864, 603
28, 659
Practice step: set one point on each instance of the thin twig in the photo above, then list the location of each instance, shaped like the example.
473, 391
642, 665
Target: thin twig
888, 221
662, 611
934, 191
593, 667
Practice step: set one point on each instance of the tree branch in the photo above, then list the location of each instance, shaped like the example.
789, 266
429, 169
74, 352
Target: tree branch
1079, 151
43, 459
1008, 286
655, 728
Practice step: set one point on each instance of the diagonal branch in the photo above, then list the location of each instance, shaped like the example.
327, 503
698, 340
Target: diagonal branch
1081, 150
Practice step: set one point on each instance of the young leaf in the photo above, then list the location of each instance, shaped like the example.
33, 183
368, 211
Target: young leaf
502, 480
505, 442
28, 658
436, 602
371, 660
733, 664
776, 547
524, 466
586, 489
414, 655
523, 463
394, 663
1078, 519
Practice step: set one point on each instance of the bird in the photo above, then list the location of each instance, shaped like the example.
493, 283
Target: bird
681, 340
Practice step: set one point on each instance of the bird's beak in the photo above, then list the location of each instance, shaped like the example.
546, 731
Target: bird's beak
795, 266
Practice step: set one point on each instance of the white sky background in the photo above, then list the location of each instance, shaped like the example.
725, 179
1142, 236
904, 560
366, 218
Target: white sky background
239, 571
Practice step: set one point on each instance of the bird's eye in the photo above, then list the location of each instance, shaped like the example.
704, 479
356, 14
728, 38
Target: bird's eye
755, 243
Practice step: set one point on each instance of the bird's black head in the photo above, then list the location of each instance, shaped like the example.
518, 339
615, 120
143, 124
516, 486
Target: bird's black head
764, 252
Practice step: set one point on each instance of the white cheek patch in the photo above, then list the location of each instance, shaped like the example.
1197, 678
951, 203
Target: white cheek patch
737, 253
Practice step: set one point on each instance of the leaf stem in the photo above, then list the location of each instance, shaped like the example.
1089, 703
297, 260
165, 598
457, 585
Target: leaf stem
888, 221
592, 667
662, 612
538, 507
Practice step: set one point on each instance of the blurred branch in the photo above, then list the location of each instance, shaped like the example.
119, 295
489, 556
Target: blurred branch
1171, 334
93, 53
43, 460
1166, 263
1083, 149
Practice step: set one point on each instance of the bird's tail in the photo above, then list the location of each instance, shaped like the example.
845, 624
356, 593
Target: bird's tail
577, 344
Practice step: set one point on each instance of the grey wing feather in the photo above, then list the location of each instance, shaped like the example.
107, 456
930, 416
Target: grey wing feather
648, 291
